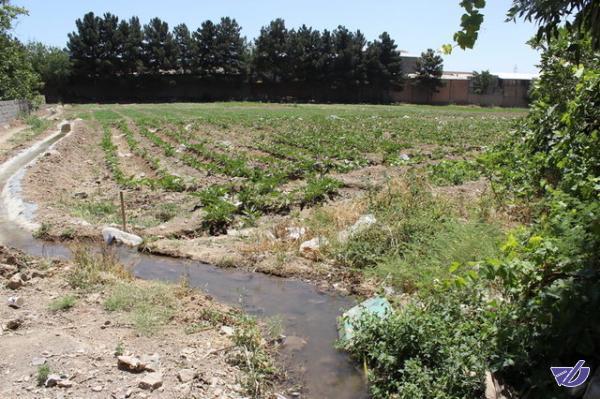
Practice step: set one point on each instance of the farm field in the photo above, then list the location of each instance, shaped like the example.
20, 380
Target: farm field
344, 195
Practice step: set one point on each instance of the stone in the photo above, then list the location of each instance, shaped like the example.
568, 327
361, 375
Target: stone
65, 128
64, 383
151, 381
295, 233
15, 282
80, 195
8, 270
150, 362
227, 331
111, 234
186, 375
362, 224
14, 323
130, 363
38, 361
310, 249
52, 380
97, 388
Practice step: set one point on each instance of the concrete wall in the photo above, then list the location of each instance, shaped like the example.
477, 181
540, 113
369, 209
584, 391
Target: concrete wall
9, 110
509, 93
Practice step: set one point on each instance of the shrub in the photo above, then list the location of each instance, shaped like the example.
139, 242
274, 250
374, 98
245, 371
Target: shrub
453, 173
62, 304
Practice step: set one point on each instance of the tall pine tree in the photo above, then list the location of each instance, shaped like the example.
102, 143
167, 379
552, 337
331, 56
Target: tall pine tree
271, 61
159, 47
185, 50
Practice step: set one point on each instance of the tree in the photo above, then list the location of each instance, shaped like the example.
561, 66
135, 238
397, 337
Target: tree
184, 45
429, 70
84, 45
271, 61
483, 83
109, 46
384, 63
349, 68
18, 80
132, 50
159, 47
304, 47
52, 64
205, 61
578, 17
230, 47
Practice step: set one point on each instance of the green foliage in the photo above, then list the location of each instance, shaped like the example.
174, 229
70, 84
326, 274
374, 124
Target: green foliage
63, 303
149, 307
453, 173
319, 189
429, 70
43, 372
52, 64
18, 79
433, 347
483, 82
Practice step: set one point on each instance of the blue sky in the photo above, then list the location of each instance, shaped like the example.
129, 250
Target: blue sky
415, 25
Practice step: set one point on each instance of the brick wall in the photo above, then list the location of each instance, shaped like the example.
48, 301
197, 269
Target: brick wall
9, 110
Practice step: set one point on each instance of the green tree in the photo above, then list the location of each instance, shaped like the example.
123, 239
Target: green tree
109, 46
184, 45
429, 70
384, 63
132, 46
271, 61
18, 80
483, 82
349, 68
230, 48
205, 61
84, 45
304, 49
52, 64
159, 47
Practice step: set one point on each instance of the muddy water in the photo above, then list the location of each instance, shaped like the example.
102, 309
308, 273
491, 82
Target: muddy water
308, 316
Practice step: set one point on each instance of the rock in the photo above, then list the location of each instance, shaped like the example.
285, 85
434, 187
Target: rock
405, 157
8, 270
310, 249
151, 381
80, 195
14, 323
38, 361
130, 363
186, 375
150, 362
15, 302
65, 383
52, 380
111, 234
227, 331
97, 388
65, 128
295, 233
38, 274
15, 282
363, 223
181, 148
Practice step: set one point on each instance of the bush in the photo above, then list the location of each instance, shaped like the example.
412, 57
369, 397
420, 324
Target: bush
434, 348
453, 173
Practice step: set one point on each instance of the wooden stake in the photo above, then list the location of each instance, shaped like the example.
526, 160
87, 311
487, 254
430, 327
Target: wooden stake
123, 218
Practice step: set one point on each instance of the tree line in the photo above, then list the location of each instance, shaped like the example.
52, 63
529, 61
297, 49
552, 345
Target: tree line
106, 46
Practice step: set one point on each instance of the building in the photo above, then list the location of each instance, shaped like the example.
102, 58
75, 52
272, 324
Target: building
508, 90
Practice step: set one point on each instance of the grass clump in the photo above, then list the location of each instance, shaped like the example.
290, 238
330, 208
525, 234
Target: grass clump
43, 372
253, 357
96, 211
92, 269
148, 306
454, 173
62, 304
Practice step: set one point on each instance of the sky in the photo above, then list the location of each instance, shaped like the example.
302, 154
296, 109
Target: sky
415, 25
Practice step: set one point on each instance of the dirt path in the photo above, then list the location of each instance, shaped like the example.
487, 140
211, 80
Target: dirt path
79, 342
